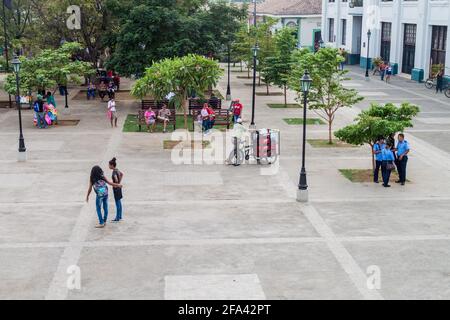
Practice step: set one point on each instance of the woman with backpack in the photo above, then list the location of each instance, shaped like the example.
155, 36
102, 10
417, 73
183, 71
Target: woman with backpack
99, 183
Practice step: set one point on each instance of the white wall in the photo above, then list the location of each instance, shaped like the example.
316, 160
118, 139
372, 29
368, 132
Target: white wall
423, 13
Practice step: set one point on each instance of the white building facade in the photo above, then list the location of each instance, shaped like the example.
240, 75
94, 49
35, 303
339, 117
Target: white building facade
410, 34
304, 16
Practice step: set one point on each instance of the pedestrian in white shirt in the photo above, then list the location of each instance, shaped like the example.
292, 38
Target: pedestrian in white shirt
112, 112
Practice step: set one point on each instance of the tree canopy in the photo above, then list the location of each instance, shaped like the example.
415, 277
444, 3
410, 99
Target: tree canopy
50, 68
276, 69
378, 121
179, 76
327, 94
151, 30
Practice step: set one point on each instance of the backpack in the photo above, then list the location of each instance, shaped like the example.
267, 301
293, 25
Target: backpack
36, 106
100, 188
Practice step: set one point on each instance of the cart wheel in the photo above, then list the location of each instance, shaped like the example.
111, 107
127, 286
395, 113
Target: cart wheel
429, 84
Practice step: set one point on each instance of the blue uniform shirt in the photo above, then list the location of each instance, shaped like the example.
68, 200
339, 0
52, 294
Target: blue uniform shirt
402, 147
387, 155
378, 147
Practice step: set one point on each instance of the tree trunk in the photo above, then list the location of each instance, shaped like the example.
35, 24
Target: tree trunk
259, 79
242, 67
285, 97
185, 111
248, 72
373, 158
268, 88
330, 132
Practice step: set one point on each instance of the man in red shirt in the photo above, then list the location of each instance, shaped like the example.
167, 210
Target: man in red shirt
237, 110
212, 117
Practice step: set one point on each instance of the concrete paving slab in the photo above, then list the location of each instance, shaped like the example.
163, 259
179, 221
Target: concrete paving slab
225, 220
409, 270
285, 271
26, 273
214, 287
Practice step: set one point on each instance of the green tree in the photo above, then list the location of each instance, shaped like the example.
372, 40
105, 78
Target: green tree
179, 76
97, 24
327, 94
241, 48
151, 30
378, 121
50, 68
277, 68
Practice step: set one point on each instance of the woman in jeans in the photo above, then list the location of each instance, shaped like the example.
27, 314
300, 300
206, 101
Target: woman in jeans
117, 177
99, 183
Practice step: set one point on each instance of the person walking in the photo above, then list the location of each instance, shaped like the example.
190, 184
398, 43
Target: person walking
236, 109
99, 184
117, 177
382, 70
387, 165
440, 80
388, 72
377, 151
402, 155
40, 112
112, 112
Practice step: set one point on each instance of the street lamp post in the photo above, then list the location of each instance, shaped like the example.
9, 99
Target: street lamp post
367, 58
302, 194
229, 74
255, 57
22, 150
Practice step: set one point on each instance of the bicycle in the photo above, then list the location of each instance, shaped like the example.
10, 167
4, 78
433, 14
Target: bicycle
243, 152
432, 83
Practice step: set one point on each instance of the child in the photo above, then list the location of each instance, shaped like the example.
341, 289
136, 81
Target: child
199, 122
99, 183
150, 119
117, 177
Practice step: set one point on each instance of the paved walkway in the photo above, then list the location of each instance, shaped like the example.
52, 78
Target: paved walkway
214, 231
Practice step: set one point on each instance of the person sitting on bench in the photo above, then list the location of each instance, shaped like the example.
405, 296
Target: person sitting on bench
164, 116
150, 119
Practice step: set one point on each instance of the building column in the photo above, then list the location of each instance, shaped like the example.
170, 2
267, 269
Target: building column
299, 30
324, 26
423, 44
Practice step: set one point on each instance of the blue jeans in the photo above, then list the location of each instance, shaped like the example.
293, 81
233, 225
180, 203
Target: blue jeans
205, 125
91, 94
40, 117
118, 210
235, 117
102, 201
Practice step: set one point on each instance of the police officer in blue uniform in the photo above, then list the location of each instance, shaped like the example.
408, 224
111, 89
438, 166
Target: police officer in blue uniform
402, 156
387, 165
377, 151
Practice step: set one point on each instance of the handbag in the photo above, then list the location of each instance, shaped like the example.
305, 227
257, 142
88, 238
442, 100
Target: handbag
390, 166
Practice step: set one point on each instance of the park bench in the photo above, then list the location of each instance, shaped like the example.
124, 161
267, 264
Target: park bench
223, 118
197, 104
155, 107
154, 104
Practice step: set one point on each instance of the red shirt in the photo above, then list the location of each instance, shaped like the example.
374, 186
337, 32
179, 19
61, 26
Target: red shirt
211, 113
238, 109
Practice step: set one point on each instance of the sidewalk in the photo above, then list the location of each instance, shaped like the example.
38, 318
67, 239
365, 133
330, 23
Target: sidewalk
215, 231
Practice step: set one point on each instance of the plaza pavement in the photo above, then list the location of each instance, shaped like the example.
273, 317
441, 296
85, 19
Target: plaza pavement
220, 232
